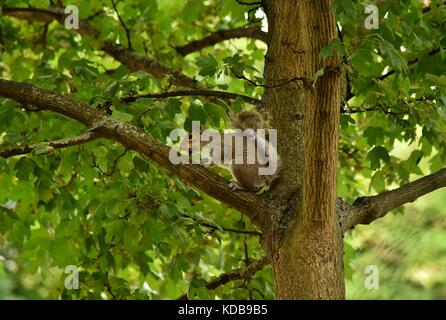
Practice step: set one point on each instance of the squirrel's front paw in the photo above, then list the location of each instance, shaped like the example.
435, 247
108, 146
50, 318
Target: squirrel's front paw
206, 162
234, 185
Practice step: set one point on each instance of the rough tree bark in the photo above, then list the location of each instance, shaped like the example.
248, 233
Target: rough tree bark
305, 242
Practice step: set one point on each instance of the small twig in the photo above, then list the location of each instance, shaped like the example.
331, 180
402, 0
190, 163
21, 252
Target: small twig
113, 168
259, 3
200, 92
141, 114
56, 144
348, 91
108, 287
242, 77
245, 249
348, 111
127, 30
217, 228
44, 35
94, 15
384, 108
388, 74
305, 81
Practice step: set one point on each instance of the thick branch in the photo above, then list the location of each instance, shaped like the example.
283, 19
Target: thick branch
222, 35
135, 62
237, 274
134, 139
51, 145
129, 58
205, 93
367, 209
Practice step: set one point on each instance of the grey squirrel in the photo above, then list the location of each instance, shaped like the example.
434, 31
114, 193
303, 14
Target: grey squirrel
253, 160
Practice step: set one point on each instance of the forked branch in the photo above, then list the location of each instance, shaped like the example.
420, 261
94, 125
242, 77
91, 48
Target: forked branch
134, 139
48, 147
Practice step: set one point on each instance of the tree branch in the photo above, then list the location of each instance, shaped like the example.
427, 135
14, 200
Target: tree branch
222, 35
388, 74
206, 93
219, 228
129, 58
8, 152
367, 209
113, 166
236, 274
135, 139
348, 90
243, 3
378, 108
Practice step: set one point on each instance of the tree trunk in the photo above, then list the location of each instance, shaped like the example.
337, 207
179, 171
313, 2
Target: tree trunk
304, 241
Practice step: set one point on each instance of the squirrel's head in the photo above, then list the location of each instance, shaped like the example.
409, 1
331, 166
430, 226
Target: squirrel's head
247, 119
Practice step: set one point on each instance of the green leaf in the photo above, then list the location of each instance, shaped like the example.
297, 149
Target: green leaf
396, 60
10, 213
378, 183
164, 248
208, 65
196, 112
192, 8
374, 135
141, 164
349, 255
24, 168
345, 120
169, 211
376, 155
172, 107
216, 113
328, 50
196, 284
